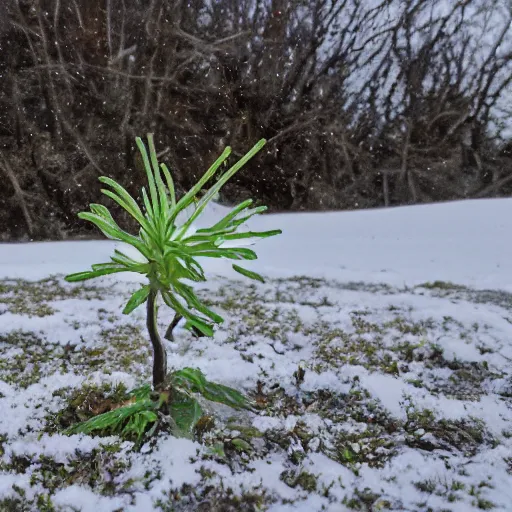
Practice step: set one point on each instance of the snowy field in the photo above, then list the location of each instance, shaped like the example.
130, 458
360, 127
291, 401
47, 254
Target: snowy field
401, 320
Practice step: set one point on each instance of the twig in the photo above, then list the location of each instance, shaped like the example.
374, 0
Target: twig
385, 187
293, 128
18, 192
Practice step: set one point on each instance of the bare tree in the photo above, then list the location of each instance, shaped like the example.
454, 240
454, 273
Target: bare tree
363, 103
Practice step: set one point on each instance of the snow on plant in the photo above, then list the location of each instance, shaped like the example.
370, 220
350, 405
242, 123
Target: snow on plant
165, 251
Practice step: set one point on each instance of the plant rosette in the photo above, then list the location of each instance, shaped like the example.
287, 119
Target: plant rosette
165, 251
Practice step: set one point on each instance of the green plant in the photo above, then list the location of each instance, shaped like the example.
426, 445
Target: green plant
167, 246
165, 251
176, 406
128, 420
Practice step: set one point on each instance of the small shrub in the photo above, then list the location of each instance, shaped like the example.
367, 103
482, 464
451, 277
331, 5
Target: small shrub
165, 251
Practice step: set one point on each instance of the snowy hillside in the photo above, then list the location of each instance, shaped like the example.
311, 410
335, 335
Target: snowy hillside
401, 318
466, 242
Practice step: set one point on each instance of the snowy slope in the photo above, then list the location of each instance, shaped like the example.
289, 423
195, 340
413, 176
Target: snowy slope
467, 242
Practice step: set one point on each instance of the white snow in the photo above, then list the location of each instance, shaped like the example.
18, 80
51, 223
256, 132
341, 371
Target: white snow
465, 243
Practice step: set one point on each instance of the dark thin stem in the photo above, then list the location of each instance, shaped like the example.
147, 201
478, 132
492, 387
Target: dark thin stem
159, 353
175, 321
172, 325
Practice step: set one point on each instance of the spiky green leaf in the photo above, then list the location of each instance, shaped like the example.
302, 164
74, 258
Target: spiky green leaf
113, 231
170, 184
193, 302
151, 179
91, 274
248, 273
204, 327
138, 298
113, 421
194, 381
213, 191
189, 197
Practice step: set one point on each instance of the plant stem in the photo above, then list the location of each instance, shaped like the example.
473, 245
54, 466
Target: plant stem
172, 325
159, 352
175, 321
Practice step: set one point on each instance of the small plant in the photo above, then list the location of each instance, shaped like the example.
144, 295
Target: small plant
175, 408
165, 251
130, 420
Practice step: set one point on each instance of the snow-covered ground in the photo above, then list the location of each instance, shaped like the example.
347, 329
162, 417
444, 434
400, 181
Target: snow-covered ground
402, 319
466, 242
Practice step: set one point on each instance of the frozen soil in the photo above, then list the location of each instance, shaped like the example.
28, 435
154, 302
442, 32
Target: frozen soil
369, 397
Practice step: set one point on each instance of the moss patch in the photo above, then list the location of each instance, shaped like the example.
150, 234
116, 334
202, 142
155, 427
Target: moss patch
32, 298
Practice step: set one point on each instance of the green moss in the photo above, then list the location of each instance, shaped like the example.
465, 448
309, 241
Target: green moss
441, 285
361, 500
32, 298
97, 469
121, 348
465, 435
457, 486
26, 357
428, 486
14, 505
404, 326
485, 504
336, 347
304, 479
218, 498
357, 430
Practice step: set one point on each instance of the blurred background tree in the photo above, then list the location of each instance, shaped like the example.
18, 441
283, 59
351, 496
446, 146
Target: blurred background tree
365, 103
